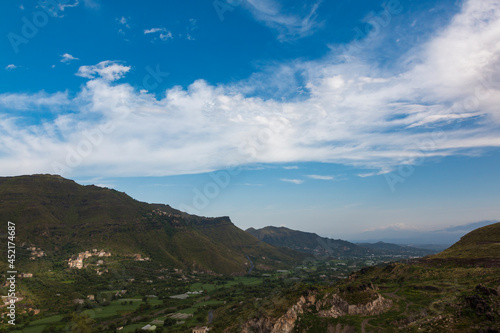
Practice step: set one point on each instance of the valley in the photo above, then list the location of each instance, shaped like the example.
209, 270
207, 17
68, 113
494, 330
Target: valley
90, 259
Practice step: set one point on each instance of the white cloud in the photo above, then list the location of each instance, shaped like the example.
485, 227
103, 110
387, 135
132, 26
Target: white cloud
288, 25
292, 167
293, 181
123, 20
66, 58
26, 102
395, 226
354, 113
153, 30
108, 70
10, 67
61, 6
320, 177
166, 36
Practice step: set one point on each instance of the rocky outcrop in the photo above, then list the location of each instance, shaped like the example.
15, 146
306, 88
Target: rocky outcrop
329, 306
286, 323
340, 307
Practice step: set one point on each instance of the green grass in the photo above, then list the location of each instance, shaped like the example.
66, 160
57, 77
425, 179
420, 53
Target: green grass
202, 286
32, 329
47, 321
211, 302
114, 309
132, 327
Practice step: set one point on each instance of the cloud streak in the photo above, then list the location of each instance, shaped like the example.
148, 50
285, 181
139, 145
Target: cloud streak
440, 99
288, 25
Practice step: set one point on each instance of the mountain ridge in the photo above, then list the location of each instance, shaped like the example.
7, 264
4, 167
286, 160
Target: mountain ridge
64, 218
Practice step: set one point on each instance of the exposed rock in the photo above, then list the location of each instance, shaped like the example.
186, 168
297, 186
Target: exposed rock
329, 306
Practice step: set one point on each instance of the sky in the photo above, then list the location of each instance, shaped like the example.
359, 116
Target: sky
336, 117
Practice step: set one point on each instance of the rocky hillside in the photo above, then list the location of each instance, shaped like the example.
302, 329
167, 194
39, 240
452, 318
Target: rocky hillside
434, 294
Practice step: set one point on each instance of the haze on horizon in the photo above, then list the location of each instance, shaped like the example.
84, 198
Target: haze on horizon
329, 117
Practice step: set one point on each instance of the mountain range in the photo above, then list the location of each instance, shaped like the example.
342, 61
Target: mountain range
323, 247
63, 218
439, 239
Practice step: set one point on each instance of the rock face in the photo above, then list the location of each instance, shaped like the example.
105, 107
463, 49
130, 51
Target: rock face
340, 307
329, 306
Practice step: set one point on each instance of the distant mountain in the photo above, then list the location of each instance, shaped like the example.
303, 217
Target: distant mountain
307, 242
63, 218
443, 238
454, 291
394, 249
311, 243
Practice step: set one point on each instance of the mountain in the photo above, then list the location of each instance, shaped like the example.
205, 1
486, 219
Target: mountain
311, 243
307, 242
434, 239
394, 249
440, 293
63, 218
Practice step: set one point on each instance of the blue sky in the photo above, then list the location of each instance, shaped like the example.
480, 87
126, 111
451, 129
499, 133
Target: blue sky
327, 116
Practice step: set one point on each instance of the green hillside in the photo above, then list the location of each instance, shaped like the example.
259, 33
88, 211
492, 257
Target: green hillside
435, 294
64, 218
482, 243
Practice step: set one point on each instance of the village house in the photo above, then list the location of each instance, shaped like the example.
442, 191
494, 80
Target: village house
202, 329
26, 275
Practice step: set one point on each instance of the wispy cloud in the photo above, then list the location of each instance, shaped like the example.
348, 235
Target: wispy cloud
293, 181
124, 26
162, 33
358, 113
166, 36
290, 23
320, 177
67, 58
153, 30
395, 226
292, 167
123, 21
60, 6
10, 67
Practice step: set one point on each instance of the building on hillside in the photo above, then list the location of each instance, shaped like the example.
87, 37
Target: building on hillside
26, 275
202, 329
149, 327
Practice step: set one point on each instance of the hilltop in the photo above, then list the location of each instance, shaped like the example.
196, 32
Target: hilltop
480, 245
63, 218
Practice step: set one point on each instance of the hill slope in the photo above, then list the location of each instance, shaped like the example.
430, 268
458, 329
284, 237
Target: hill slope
64, 218
482, 243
